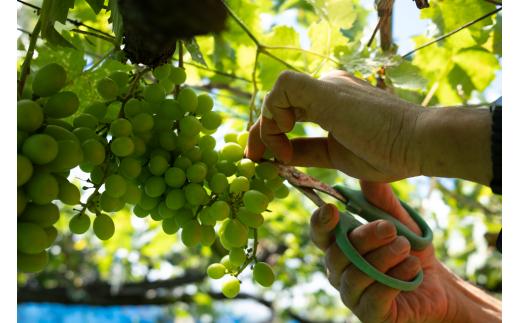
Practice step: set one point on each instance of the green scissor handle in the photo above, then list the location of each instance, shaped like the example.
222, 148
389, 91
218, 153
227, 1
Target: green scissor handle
359, 205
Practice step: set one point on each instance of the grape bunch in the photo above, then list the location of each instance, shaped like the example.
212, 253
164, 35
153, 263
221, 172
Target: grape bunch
155, 153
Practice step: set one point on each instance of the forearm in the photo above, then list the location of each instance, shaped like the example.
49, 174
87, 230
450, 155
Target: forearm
456, 143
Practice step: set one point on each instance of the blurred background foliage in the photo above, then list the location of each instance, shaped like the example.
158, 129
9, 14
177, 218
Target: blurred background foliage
142, 265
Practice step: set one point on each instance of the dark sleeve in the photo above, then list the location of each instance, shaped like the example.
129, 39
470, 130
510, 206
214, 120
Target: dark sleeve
496, 155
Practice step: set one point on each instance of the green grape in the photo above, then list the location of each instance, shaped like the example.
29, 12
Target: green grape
242, 139
169, 226
235, 233
239, 185
27, 93
69, 156
98, 109
108, 203
222, 227
268, 154
216, 271
206, 143
85, 120
282, 192
59, 133
193, 154
121, 78
42, 188
120, 206
206, 200
274, 183
251, 234
167, 85
161, 152
252, 220
226, 167
267, 191
206, 131
175, 177
96, 175
175, 199
208, 235
154, 93
171, 110
237, 256
132, 195
41, 101
168, 139
21, 201
194, 193
263, 274
62, 105
49, 80
93, 202
113, 112
115, 185
219, 183
154, 214
79, 225
142, 122
255, 201
230, 287
44, 215
232, 152
246, 168
52, 234
167, 190
139, 147
186, 143
132, 108
177, 75
220, 210
183, 216
24, 170
211, 120
86, 167
130, 167
30, 238
40, 148
205, 104
226, 263
21, 137
121, 128
104, 227
209, 157
158, 165
267, 171
230, 137
206, 218
59, 122
144, 136
154, 107
84, 133
161, 124
31, 263
69, 194
145, 174
93, 151
187, 100
191, 234
183, 163
196, 173
107, 88
162, 72
212, 170
165, 211
29, 115
139, 211
122, 146
155, 186
256, 184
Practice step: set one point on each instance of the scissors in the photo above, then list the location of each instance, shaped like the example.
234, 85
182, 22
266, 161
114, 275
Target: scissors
356, 203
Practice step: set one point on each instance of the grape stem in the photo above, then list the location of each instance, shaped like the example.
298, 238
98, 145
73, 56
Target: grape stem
255, 91
253, 255
109, 39
131, 91
181, 65
28, 57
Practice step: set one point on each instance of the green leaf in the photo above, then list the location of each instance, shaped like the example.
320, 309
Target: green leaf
60, 10
96, 5
117, 21
479, 64
193, 48
318, 34
54, 37
250, 16
339, 13
221, 50
460, 80
406, 76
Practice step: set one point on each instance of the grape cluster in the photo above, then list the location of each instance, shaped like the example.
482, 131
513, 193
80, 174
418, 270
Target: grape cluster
156, 154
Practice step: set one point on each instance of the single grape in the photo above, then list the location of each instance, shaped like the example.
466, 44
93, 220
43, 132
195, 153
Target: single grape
115, 186
154, 93
158, 165
282, 192
155, 186
93, 151
40, 149
267, 171
220, 210
142, 122
139, 147
175, 199
132, 195
256, 184
208, 235
216, 271
230, 287
69, 156
168, 139
165, 211
206, 143
44, 215
167, 85
27, 93
84, 133
30, 238
121, 128
122, 146
230, 137
252, 220
205, 104
177, 75
206, 218
42, 188
154, 214
219, 183
196, 173
211, 120
267, 191
226, 167
85, 120
212, 170
107, 88
255, 201
108, 203
183, 163
184, 216
191, 234
187, 100
194, 193
239, 185
24, 170
226, 263
31, 263
246, 168
232, 152
207, 132
162, 72
171, 110
139, 211
237, 256
21, 137
263, 274
29, 115
49, 80
52, 234
79, 225
104, 227
132, 108
60, 123
69, 194
175, 177
169, 226
130, 167
161, 152
194, 154
21, 201
242, 139
161, 124
86, 167
274, 183
59, 133
209, 157
98, 109
121, 78
235, 233
186, 143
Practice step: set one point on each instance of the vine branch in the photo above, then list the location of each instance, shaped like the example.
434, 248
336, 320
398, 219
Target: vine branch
215, 71
304, 51
242, 25
494, 2
181, 65
28, 58
109, 39
128, 95
255, 91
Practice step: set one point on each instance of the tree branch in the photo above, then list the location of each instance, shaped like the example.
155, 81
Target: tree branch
28, 57
242, 25
109, 39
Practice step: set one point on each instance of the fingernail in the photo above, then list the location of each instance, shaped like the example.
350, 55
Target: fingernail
385, 229
412, 265
325, 214
399, 245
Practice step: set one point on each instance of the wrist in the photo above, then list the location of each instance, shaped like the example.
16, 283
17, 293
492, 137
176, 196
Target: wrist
455, 142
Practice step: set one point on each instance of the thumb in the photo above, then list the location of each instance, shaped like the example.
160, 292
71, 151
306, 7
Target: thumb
323, 222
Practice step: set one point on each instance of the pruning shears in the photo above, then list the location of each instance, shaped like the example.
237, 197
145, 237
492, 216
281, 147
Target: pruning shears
356, 203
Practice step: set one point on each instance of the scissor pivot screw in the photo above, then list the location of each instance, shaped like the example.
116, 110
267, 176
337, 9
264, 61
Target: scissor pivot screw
296, 175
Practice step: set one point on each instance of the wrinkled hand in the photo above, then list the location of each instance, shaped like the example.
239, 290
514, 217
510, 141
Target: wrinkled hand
370, 300
371, 132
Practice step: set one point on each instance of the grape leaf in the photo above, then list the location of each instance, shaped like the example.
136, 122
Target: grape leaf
221, 50
479, 64
249, 14
318, 34
60, 10
460, 80
117, 21
54, 37
52, 11
96, 5
193, 48
339, 13
406, 76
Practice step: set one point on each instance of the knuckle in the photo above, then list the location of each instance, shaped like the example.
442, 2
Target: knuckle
347, 281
